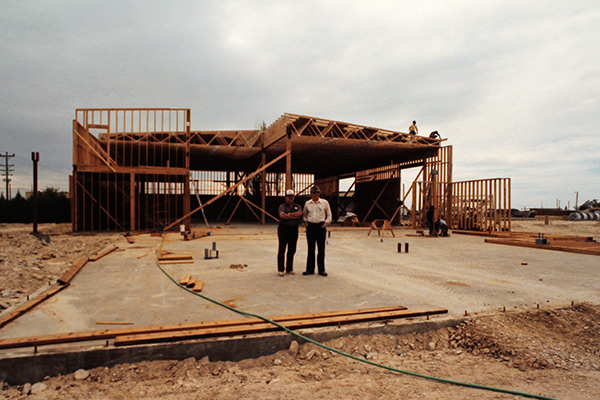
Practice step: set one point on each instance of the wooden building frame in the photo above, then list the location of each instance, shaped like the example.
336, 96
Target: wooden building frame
141, 169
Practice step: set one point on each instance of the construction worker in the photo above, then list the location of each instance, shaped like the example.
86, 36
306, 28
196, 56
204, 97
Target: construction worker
430, 219
413, 130
287, 233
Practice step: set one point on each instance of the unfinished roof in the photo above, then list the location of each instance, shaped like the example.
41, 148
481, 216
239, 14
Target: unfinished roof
319, 146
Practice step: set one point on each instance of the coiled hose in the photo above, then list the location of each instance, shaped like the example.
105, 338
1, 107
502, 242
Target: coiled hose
362, 360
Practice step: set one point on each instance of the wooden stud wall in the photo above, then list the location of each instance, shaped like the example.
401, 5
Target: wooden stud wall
131, 168
481, 205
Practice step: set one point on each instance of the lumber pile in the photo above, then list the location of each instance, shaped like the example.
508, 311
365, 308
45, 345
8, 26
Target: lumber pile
571, 244
166, 257
127, 336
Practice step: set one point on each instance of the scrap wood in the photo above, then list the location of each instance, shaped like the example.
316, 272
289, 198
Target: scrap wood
186, 261
77, 265
184, 281
191, 282
198, 285
113, 323
174, 258
266, 327
103, 252
112, 333
23, 308
591, 248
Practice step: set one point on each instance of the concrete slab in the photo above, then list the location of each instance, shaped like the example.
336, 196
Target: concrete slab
459, 273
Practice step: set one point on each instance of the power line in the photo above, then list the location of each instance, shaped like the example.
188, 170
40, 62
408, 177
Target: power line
7, 172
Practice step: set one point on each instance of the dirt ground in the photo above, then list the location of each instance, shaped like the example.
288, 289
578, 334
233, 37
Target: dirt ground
553, 352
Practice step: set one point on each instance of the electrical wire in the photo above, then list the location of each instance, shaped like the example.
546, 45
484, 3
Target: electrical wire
353, 357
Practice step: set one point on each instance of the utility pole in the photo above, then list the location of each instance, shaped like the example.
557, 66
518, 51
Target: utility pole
35, 157
7, 172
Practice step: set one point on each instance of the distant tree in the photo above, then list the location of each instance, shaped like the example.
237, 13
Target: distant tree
53, 206
590, 204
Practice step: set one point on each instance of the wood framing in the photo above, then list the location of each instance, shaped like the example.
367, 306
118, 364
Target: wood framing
138, 169
144, 169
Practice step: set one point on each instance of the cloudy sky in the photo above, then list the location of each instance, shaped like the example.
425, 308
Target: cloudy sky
513, 85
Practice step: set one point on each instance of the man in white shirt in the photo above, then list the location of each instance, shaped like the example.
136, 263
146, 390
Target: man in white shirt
317, 215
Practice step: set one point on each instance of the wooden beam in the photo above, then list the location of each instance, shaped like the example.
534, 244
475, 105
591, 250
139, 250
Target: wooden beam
249, 203
228, 190
111, 333
105, 251
266, 327
23, 308
77, 265
576, 247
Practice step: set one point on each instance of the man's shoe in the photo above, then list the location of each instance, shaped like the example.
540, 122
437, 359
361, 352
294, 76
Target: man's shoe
308, 273
281, 274
323, 273
291, 273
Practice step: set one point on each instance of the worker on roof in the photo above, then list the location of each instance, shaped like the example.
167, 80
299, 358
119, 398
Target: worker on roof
413, 130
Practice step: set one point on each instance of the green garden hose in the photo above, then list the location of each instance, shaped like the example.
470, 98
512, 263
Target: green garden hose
387, 367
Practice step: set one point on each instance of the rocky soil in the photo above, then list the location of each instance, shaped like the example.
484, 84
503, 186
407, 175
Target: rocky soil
28, 262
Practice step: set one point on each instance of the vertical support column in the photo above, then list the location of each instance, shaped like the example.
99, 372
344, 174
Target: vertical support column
186, 181
434, 194
414, 204
288, 161
35, 157
263, 187
449, 186
73, 196
132, 201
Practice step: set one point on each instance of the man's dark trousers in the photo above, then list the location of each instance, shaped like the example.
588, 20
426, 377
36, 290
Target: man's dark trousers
315, 234
288, 237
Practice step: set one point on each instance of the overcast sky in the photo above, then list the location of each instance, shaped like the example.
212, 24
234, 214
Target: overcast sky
513, 85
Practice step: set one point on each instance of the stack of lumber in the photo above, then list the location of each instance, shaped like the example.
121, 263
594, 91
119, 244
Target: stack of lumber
166, 257
195, 284
572, 244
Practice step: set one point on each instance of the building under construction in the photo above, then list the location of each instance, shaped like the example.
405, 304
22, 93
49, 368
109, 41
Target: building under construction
147, 170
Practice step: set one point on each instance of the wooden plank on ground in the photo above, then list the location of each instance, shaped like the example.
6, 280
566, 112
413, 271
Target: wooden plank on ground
77, 265
267, 327
184, 281
23, 308
112, 333
198, 286
592, 248
188, 261
107, 250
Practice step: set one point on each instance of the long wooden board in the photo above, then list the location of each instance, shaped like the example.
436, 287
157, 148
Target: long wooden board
77, 265
107, 250
591, 248
112, 333
517, 235
267, 327
23, 308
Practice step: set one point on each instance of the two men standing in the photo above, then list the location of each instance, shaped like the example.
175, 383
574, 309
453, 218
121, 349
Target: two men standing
316, 216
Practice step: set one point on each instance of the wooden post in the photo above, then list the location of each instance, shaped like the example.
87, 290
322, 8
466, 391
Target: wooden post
132, 201
288, 161
35, 157
263, 187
